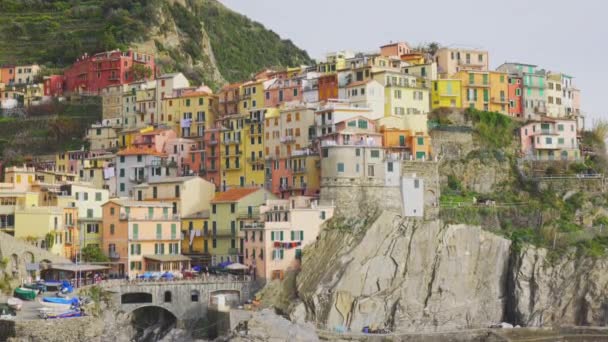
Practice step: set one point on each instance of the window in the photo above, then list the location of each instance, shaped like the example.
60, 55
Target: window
194, 295
86, 196
167, 297
560, 127
362, 123
135, 231
471, 78
340, 167
159, 231
358, 152
560, 141
214, 209
112, 229
375, 153
112, 211
98, 196
420, 141
390, 166
518, 92
548, 140
89, 213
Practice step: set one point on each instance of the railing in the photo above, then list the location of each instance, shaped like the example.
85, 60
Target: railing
298, 170
233, 251
246, 213
138, 178
231, 141
255, 160
302, 153
130, 217
253, 225
288, 139
499, 100
212, 142
114, 255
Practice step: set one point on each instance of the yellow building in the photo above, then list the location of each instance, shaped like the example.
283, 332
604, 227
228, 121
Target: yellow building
446, 93
42, 225
191, 113
230, 211
499, 92
196, 240
484, 90
334, 61
242, 150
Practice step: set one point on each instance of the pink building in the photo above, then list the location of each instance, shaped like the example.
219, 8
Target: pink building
279, 91
550, 139
155, 139
274, 246
178, 150
357, 130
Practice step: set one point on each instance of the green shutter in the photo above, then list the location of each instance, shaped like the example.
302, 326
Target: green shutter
271, 236
420, 141
281, 254
475, 94
486, 95
159, 231
155, 248
132, 249
471, 78
173, 231
485, 78
301, 235
281, 234
135, 231
150, 212
139, 249
292, 235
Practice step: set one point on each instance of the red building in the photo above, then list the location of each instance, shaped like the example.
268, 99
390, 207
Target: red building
53, 85
516, 91
205, 159
283, 90
328, 87
92, 73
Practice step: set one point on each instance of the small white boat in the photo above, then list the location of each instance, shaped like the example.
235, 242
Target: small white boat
15, 303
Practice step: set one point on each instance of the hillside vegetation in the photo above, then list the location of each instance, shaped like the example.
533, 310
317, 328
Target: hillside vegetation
202, 38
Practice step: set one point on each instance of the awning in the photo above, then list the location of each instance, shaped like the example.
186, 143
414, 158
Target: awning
167, 258
78, 268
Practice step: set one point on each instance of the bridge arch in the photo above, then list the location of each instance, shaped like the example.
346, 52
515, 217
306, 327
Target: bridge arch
147, 320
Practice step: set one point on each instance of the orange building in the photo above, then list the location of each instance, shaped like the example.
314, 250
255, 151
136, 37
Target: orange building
328, 87
404, 142
7, 74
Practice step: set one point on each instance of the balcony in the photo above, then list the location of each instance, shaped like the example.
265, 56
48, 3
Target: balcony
114, 255
248, 214
231, 141
232, 167
478, 85
255, 161
297, 170
211, 142
302, 153
286, 188
156, 162
131, 217
253, 225
288, 139
138, 179
233, 251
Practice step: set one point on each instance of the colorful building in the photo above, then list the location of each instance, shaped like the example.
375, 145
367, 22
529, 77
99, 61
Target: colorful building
142, 237
453, 60
89, 74
534, 88
230, 211
516, 91
446, 93
139, 165
53, 85
328, 87
484, 90
550, 139
274, 245
395, 49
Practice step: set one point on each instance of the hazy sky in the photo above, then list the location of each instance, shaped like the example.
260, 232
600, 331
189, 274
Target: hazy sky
567, 36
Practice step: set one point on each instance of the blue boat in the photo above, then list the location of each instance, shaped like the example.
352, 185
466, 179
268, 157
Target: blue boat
68, 314
59, 300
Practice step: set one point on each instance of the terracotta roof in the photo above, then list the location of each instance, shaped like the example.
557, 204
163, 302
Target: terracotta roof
231, 86
133, 151
233, 195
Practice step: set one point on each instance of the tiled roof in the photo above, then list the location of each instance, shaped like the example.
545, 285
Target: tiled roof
196, 93
234, 195
125, 202
133, 151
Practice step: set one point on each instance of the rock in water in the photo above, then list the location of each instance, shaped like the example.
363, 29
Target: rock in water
265, 325
405, 275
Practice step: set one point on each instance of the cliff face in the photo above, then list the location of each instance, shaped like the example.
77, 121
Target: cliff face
410, 275
545, 292
406, 275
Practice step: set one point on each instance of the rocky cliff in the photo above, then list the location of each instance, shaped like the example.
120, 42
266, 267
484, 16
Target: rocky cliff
410, 275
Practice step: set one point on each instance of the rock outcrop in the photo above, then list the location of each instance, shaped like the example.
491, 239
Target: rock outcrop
405, 275
544, 292
265, 325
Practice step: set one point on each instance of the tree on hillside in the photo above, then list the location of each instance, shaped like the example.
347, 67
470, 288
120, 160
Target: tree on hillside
93, 254
141, 71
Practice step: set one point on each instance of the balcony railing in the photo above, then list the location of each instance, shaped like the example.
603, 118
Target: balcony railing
233, 251
255, 161
212, 142
231, 141
288, 139
250, 214
253, 225
499, 100
114, 255
298, 170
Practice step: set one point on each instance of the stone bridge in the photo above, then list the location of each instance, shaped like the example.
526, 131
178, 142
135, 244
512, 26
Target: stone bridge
187, 300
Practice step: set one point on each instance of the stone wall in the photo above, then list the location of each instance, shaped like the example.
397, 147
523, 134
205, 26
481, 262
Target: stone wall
354, 196
19, 253
590, 185
452, 144
61, 330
